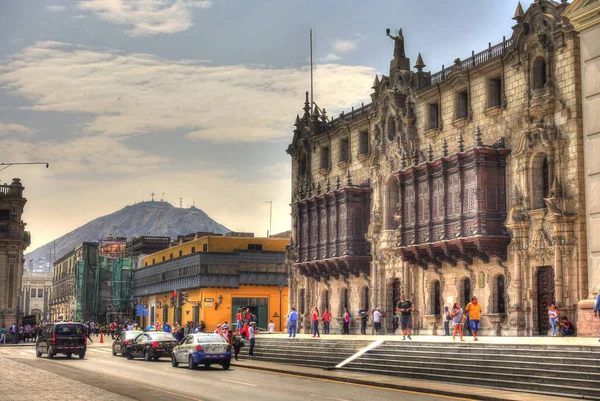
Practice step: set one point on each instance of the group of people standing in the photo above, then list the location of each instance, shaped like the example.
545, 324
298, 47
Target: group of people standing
470, 317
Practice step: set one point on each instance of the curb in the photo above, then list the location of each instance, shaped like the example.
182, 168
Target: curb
416, 389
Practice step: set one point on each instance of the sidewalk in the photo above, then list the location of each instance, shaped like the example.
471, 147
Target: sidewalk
420, 386
541, 340
20, 382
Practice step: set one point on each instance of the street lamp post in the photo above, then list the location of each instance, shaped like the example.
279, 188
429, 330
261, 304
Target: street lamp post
280, 287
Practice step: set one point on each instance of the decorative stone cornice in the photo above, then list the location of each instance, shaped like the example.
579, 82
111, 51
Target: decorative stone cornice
583, 14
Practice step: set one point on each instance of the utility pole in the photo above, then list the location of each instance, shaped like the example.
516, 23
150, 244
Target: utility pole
270, 217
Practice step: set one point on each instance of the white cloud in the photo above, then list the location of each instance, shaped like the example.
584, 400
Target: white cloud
343, 46
340, 47
140, 93
55, 8
146, 17
12, 128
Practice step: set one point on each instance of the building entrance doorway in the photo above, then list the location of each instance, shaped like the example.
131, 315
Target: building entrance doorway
258, 307
545, 297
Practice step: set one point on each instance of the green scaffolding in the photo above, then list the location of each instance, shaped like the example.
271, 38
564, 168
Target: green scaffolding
101, 283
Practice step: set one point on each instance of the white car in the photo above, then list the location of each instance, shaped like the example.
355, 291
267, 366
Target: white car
202, 348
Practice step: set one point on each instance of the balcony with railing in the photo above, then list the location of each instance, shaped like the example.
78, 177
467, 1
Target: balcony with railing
476, 59
12, 190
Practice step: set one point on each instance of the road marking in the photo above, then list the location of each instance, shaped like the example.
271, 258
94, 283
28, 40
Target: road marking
327, 398
171, 370
357, 384
153, 388
245, 384
360, 353
27, 352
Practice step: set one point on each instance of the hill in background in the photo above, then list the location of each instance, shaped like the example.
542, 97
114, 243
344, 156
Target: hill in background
145, 218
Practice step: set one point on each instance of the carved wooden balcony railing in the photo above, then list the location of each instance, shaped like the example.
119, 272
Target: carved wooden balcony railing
330, 233
453, 208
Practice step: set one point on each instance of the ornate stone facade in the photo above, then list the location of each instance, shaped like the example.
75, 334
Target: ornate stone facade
472, 177
13, 242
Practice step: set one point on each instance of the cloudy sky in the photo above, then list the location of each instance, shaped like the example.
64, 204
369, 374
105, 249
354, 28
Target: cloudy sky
195, 98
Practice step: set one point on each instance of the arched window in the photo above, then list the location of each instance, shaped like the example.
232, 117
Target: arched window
435, 298
391, 128
344, 301
539, 73
465, 292
395, 293
498, 299
392, 198
301, 299
365, 298
302, 165
325, 300
540, 181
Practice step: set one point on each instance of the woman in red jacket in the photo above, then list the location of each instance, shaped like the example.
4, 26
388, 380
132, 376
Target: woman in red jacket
326, 320
315, 322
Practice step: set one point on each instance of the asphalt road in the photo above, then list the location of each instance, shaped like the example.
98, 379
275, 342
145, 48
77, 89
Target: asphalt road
149, 381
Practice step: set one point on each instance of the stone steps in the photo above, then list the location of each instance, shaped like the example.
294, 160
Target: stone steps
533, 362
570, 371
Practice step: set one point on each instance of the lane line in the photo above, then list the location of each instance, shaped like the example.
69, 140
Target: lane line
152, 388
397, 390
327, 398
171, 370
245, 384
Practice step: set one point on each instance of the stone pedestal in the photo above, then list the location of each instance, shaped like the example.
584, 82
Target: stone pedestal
587, 324
433, 323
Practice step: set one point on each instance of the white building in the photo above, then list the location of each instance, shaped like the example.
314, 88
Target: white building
36, 291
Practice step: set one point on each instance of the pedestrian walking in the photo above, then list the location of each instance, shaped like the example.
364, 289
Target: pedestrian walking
405, 307
14, 331
553, 315
251, 337
447, 319
3, 335
326, 320
458, 320
346, 317
377, 320
474, 311
597, 309
363, 313
315, 322
166, 327
271, 327
236, 343
239, 319
293, 321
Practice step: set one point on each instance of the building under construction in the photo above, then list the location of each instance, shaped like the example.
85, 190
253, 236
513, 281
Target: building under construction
103, 282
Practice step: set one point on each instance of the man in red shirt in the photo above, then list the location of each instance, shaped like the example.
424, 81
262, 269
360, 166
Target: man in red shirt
326, 320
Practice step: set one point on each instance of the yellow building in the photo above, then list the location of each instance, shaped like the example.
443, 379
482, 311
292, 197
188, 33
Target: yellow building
218, 274
217, 243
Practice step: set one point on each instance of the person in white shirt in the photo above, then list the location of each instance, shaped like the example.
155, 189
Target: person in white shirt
251, 338
377, 320
271, 327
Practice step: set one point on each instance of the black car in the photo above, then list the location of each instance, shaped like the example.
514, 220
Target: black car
152, 345
66, 338
123, 341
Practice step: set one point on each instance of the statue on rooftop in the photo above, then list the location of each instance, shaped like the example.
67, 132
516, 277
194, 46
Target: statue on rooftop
398, 43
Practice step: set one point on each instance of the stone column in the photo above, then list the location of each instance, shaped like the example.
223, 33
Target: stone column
558, 276
517, 280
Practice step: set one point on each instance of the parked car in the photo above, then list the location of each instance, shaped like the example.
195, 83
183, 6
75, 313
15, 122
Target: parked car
202, 348
66, 338
151, 345
122, 342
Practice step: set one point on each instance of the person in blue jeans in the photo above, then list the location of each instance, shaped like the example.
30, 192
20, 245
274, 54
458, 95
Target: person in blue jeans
553, 317
292, 323
597, 309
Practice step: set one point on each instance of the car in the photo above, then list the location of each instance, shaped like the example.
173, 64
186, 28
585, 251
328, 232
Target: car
202, 349
66, 338
122, 342
151, 345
